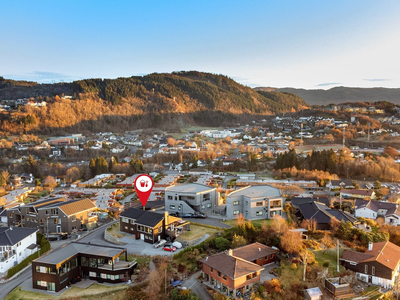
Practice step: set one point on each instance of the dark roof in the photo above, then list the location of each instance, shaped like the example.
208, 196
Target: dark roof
392, 208
3, 212
143, 217
11, 235
323, 214
357, 192
299, 200
231, 266
253, 251
149, 205
345, 182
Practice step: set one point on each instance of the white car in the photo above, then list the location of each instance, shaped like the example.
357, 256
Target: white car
177, 245
159, 243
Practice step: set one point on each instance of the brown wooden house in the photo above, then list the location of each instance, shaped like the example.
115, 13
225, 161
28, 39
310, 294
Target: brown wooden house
256, 253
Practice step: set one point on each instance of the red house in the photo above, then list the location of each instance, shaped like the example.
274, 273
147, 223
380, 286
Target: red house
256, 253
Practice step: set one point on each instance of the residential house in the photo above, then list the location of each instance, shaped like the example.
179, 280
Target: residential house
313, 294
322, 214
257, 253
60, 268
190, 198
296, 201
151, 226
230, 275
16, 244
54, 215
379, 265
374, 209
254, 202
358, 194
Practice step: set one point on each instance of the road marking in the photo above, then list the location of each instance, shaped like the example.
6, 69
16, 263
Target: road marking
192, 284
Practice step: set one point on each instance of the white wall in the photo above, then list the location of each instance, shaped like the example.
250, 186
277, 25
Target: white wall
365, 213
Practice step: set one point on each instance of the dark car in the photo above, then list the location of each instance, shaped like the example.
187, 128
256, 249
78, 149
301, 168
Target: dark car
187, 215
199, 215
169, 248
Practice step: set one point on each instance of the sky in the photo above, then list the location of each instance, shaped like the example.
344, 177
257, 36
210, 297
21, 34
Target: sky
301, 44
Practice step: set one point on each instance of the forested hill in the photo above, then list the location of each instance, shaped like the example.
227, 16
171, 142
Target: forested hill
180, 98
338, 95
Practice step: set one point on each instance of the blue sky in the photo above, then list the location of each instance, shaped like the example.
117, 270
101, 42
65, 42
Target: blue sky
304, 44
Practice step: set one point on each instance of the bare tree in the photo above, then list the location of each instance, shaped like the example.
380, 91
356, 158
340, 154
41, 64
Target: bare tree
291, 241
50, 183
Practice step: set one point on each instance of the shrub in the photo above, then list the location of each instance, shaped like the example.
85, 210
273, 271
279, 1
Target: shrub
222, 243
326, 264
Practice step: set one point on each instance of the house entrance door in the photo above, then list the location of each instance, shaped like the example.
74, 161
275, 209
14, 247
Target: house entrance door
142, 236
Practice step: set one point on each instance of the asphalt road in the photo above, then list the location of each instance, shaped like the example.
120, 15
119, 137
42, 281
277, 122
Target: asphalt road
198, 288
7, 287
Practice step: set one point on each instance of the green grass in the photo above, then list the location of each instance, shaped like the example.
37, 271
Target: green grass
115, 231
331, 256
256, 223
197, 232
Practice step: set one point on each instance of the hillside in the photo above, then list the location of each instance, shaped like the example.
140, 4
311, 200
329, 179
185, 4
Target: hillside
177, 99
338, 95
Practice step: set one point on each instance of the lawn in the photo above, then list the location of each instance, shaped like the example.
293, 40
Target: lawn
197, 232
95, 291
115, 231
331, 256
256, 223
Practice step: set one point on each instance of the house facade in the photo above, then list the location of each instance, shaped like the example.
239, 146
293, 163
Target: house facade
374, 209
56, 215
190, 198
16, 244
358, 194
151, 226
379, 265
56, 270
254, 202
230, 275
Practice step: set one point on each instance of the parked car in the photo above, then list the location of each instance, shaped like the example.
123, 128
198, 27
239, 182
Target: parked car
169, 248
159, 243
197, 215
177, 245
175, 283
187, 215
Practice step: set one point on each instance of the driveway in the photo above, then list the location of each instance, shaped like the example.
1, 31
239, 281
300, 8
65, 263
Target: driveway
209, 221
142, 248
198, 288
265, 275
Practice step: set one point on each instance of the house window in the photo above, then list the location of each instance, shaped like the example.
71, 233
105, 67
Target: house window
271, 256
169, 197
116, 277
353, 263
223, 277
248, 277
235, 212
209, 205
125, 220
254, 275
132, 221
172, 207
47, 212
235, 203
179, 207
219, 274
259, 213
73, 218
41, 221
373, 271
56, 211
247, 202
259, 204
366, 269
55, 220
211, 270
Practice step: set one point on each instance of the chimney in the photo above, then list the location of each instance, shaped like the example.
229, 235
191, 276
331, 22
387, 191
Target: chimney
206, 258
230, 252
259, 249
166, 217
370, 246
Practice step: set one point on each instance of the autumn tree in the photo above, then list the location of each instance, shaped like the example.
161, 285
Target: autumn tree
391, 151
327, 241
291, 241
50, 183
306, 257
238, 241
171, 142
73, 174
279, 224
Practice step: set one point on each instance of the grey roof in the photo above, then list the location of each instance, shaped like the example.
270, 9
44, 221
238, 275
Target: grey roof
299, 200
143, 217
74, 248
256, 191
11, 235
323, 214
392, 208
189, 188
3, 212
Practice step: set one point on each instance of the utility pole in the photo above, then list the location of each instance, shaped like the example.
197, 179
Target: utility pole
369, 125
47, 228
301, 133
344, 136
337, 269
165, 281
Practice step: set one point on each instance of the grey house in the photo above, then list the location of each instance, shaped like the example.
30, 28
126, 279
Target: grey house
254, 202
190, 198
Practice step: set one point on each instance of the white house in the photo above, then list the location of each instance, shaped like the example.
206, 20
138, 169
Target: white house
375, 209
16, 244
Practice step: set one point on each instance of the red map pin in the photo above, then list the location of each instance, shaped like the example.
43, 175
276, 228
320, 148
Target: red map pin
143, 186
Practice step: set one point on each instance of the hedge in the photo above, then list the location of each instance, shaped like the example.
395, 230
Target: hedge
13, 270
201, 246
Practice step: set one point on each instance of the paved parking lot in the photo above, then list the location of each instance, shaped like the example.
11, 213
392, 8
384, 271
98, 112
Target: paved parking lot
265, 275
142, 248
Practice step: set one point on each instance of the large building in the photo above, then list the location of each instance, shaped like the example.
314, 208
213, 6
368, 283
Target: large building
55, 215
151, 226
254, 202
60, 268
190, 198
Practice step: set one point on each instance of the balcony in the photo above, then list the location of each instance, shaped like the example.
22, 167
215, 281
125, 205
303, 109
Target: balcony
120, 265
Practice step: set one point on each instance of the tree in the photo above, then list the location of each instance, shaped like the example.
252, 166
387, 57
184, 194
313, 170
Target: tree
306, 257
92, 167
171, 142
326, 241
279, 225
222, 243
31, 165
391, 151
50, 183
377, 185
73, 174
291, 242
5, 176
238, 241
